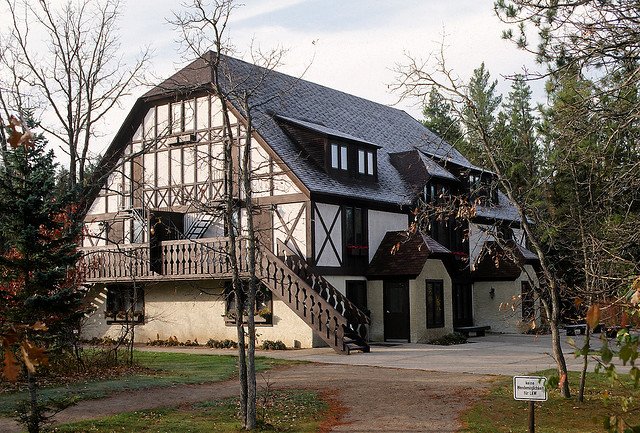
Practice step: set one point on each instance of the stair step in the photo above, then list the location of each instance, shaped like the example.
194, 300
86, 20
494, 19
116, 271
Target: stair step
356, 346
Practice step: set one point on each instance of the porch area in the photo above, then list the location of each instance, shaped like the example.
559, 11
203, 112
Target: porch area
186, 259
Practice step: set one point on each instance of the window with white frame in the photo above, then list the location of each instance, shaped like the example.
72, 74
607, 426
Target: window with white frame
339, 156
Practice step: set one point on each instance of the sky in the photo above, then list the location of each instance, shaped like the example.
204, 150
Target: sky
350, 45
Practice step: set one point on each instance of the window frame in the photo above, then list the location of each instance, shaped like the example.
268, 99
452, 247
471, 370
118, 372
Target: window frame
357, 290
433, 319
263, 309
119, 302
366, 162
339, 153
354, 246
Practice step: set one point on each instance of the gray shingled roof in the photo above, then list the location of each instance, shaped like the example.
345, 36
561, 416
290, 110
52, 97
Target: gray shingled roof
324, 130
504, 210
275, 94
334, 113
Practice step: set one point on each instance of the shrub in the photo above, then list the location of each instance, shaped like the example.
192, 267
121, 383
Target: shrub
273, 345
222, 344
172, 342
449, 339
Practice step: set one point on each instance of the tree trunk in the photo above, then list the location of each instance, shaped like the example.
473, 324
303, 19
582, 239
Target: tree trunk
33, 423
556, 345
585, 364
250, 420
242, 362
246, 169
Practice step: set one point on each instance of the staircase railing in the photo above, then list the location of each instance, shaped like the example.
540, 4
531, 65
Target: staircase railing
321, 316
357, 321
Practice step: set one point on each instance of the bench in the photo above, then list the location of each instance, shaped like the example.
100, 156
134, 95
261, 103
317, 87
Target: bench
571, 329
582, 328
477, 330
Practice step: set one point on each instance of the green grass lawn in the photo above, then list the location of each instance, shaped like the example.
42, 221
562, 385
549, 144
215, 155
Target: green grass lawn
498, 412
288, 411
168, 369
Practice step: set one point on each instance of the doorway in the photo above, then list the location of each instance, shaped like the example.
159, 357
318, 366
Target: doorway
462, 304
396, 309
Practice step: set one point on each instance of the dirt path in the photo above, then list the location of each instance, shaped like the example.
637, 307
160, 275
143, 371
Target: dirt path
375, 399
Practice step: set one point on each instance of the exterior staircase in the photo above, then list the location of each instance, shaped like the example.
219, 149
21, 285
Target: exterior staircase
199, 226
327, 311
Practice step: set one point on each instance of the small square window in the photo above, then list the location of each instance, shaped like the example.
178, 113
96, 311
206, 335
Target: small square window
263, 309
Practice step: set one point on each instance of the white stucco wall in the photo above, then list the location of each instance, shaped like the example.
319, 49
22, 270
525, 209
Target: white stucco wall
184, 311
376, 307
504, 312
433, 270
382, 222
418, 332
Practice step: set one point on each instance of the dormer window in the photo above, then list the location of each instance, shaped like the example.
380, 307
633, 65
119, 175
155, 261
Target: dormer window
366, 164
339, 156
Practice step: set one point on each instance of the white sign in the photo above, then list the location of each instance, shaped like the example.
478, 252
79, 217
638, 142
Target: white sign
530, 388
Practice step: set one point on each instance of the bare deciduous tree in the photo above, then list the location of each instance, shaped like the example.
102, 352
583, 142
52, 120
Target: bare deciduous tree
79, 74
202, 26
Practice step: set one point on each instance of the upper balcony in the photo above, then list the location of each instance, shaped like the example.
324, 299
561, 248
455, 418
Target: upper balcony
190, 259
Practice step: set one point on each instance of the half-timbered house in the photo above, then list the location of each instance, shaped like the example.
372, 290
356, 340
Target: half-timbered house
335, 180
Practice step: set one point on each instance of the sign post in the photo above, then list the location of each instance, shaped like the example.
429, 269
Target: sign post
531, 389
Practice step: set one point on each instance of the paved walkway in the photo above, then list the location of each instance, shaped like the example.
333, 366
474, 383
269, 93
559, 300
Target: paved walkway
504, 354
493, 354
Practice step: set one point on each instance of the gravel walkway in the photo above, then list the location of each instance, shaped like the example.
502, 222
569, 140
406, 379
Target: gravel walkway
374, 399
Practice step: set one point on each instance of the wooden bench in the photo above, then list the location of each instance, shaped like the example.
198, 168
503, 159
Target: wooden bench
477, 330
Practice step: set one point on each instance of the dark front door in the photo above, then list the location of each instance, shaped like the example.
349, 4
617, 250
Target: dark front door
396, 310
462, 305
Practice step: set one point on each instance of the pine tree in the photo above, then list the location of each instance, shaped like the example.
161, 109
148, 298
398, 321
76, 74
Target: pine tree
478, 115
39, 280
438, 118
518, 151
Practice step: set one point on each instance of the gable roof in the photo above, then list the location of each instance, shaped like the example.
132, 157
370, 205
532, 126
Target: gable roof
331, 111
276, 97
502, 261
408, 259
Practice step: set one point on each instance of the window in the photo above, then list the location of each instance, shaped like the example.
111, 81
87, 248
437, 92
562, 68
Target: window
339, 156
176, 118
527, 301
263, 312
366, 163
435, 303
357, 293
355, 231
125, 305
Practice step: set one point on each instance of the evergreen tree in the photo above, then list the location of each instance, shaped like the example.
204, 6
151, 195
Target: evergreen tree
39, 280
478, 115
438, 117
518, 152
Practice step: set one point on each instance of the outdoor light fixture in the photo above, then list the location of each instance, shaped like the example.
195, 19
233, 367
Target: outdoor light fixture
492, 293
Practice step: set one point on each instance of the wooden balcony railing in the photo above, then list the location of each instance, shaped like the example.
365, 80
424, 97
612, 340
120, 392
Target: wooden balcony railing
182, 259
